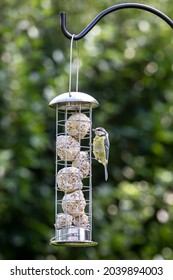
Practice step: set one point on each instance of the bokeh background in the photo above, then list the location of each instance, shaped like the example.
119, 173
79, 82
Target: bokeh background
127, 65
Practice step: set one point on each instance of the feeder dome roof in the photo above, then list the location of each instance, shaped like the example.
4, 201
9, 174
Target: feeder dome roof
73, 101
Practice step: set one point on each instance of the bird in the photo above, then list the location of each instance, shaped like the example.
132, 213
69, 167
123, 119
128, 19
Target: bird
101, 147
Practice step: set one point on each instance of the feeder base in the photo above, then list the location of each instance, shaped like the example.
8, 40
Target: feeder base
74, 244
72, 236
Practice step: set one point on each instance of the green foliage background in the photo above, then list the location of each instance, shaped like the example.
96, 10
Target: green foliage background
127, 65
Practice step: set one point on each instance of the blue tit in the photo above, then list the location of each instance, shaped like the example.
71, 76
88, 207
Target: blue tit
101, 147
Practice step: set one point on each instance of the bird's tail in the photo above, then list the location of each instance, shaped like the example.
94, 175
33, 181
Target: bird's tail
106, 172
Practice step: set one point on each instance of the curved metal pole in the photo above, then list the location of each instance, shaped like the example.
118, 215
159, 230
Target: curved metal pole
110, 10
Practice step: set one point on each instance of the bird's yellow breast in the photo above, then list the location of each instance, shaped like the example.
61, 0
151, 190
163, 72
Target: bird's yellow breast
99, 149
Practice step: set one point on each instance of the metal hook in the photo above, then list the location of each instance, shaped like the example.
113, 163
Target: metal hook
106, 12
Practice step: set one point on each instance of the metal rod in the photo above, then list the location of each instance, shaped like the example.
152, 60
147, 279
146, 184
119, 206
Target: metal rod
110, 10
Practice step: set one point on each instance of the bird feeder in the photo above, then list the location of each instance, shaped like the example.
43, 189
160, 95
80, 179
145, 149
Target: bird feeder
73, 171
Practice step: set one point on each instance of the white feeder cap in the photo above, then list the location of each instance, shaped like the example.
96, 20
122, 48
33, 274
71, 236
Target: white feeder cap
73, 101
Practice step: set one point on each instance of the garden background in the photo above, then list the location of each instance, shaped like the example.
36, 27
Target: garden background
127, 65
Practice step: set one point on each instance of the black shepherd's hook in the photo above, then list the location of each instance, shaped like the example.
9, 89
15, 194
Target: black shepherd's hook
110, 10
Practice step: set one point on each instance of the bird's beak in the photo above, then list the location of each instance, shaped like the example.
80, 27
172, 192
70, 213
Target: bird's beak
93, 129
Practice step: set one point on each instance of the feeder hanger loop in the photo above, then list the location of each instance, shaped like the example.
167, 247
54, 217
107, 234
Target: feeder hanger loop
108, 11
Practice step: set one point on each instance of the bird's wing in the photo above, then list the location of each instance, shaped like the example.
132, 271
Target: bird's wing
106, 143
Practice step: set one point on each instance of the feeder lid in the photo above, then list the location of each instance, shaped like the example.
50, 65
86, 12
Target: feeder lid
73, 101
